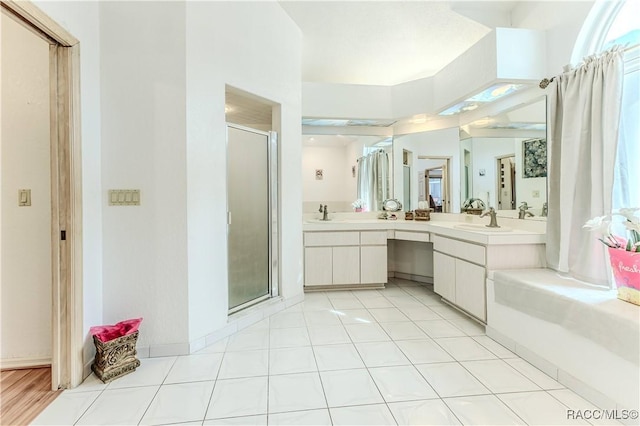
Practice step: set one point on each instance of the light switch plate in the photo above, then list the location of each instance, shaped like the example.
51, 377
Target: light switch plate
535, 194
24, 197
124, 197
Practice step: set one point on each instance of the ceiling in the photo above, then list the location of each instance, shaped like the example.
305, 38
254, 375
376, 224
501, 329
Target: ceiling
389, 42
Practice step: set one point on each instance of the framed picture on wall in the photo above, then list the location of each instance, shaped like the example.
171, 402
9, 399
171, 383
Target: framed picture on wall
534, 157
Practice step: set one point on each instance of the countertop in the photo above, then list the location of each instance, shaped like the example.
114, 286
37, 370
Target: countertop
455, 226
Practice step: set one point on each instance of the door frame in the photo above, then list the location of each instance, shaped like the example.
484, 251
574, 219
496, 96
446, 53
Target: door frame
273, 232
499, 186
67, 365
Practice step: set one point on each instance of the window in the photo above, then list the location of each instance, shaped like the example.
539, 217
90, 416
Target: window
609, 24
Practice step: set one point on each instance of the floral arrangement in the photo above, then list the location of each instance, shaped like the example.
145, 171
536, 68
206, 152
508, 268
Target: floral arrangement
358, 204
626, 223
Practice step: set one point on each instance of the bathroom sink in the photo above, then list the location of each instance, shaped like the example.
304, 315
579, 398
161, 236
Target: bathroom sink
324, 221
480, 227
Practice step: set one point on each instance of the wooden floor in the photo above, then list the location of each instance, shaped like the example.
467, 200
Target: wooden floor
24, 394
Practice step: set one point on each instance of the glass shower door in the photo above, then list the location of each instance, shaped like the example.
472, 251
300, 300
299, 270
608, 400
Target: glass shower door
249, 216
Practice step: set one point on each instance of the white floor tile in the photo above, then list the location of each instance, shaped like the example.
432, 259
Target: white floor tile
440, 328
319, 304
329, 335
356, 316
288, 320
362, 415
295, 392
322, 318
465, 349
291, 360
194, 368
349, 387
482, 410
539, 408
340, 294
402, 383
240, 421
351, 303
430, 299
264, 324
311, 418
67, 408
249, 340
368, 294
447, 312
119, 406
430, 412
404, 301
217, 347
451, 379
244, 364
470, 327
366, 333
496, 348
90, 384
388, 315
289, 338
337, 357
420, 313
376, 302
403, 330
183, 402
533, 374
423, 351
152, 371
381, 354
238, 397
499, 377
574, 402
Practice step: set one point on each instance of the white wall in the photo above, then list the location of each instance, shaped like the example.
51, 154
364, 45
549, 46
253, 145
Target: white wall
484, 154
333, 188
82, 21
26, 231
254, 47
436, 143
143, 147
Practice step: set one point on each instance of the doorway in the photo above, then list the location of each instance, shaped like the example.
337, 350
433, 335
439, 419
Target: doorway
506, 172
437, 187
251, 201
65, 192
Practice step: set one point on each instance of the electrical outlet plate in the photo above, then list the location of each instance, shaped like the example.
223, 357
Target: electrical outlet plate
124, 197
535, 194
24, 197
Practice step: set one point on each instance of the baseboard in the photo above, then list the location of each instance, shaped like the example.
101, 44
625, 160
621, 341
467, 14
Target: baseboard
410, 277
17, 363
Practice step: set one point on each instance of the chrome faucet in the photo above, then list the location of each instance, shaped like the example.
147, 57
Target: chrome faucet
545, 210
325, 214
524, 211
494, 220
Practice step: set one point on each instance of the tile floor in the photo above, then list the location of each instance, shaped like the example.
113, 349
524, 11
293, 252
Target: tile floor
368, 357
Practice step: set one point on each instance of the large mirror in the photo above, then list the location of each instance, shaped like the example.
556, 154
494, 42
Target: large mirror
339, 169
504, 159
500, 159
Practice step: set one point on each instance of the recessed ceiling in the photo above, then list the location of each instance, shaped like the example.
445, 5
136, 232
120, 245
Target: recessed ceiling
382, 42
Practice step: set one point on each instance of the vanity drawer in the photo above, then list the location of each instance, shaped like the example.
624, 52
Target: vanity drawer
412, 236
471, 252
320, 239
373, 238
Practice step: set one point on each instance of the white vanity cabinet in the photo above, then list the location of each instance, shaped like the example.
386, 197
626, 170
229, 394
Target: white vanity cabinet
345, 258
459, 274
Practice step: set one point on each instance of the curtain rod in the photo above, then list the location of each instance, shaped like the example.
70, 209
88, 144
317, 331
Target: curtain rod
546, 81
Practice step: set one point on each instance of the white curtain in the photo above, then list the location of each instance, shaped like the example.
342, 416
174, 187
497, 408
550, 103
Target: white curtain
373, 179
584, 110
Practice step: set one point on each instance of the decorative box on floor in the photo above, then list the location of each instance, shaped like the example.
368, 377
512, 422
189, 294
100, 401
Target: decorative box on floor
115, 349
